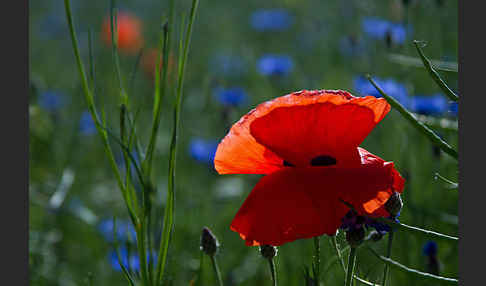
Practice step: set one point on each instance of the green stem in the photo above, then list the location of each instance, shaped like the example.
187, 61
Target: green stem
216, 270
388, 255
423, 275
351, 263
273, 270
317, 259
435, 76
417, 124
338, 252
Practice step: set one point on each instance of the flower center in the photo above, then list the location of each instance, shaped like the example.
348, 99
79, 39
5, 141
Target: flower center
323, 160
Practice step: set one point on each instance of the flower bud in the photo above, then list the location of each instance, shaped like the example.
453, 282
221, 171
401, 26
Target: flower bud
355, 236
209, 242
375, 236
394, 204
268, 251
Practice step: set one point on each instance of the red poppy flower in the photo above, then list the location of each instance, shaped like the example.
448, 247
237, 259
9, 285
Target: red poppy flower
130, 38
306, 143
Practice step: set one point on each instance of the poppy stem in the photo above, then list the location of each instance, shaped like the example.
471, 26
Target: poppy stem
317, 259
350, 269
216, 269
388, 254
273, 270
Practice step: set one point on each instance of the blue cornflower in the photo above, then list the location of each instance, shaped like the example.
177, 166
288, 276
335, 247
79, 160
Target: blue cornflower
86, 124
233, 96
131, 262
50, 100
227, 65
271, 20
275, 65
352, 221
430, 248
392, 88
429, 105
123, 228
379, 29
453, 108
203, 150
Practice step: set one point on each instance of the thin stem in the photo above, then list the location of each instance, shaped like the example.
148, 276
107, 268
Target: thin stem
423, 275
351, 263
216, 269
338, 252
416, 123
435, 76
388, 255
273, 270
317, 259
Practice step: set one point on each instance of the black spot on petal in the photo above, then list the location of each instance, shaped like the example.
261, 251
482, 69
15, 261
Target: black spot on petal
323, 160
286, 163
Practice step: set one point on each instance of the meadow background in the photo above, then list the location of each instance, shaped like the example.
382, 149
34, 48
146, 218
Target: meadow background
242, 53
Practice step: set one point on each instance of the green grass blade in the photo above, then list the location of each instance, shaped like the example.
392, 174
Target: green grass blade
114, 44
170, 206
423, 275
416, 230
388, 255
124, 270
91, 106
159, 90
417, 124
433, 73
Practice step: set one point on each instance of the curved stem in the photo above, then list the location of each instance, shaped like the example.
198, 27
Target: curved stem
351, 262
388, 254
216, 270
273, 270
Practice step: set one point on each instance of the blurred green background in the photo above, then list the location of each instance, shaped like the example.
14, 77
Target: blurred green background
325, 45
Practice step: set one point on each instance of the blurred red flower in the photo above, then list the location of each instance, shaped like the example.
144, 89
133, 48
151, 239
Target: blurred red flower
149, 60
129, 29
306, 143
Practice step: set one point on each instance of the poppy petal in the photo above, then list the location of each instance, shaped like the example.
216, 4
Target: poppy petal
304, 125
295, 203
239, 153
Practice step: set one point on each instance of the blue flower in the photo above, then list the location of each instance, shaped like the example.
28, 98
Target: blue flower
271, 20
453, 108
392, 88
227, 65
353, 221
50, 100
123, 228
275, 65
430, 248
379, 28
203, 150
429, 105
86, 124
132, 262
233, 96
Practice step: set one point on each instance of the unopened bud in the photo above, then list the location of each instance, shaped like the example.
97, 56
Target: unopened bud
394, 204
209, 242
268, 251
355, 236
375, 236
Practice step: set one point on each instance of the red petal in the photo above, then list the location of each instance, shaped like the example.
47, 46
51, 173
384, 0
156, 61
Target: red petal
239, 153
301, 126
295, 203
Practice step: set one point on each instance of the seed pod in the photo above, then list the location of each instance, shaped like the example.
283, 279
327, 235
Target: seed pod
209, 242
268, 251
394, 204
